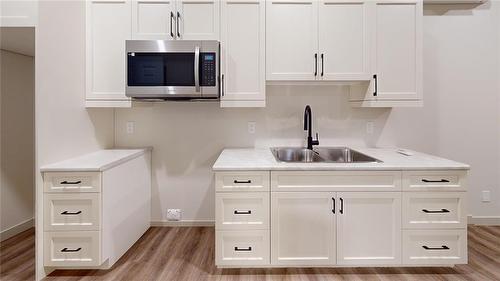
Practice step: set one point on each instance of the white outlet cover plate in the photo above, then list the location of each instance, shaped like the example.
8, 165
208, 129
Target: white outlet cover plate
174, 214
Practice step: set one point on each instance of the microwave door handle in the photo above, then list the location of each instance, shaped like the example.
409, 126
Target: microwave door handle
197, 68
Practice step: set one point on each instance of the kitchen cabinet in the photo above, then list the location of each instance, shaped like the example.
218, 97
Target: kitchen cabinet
153, 20
377, 214
303, 228
344, 40
171, 19
292, 40
243, 54
318, 40
95, 208
396, 56
108, 26
15, 13
340, 218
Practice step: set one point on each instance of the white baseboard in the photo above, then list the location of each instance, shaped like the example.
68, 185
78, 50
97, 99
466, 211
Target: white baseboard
183, 223
16, 229
483, 220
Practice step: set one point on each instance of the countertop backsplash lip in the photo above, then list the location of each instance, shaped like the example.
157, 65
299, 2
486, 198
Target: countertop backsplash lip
97, 161
262, 159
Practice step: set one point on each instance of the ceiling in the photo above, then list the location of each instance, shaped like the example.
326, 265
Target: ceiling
19, 40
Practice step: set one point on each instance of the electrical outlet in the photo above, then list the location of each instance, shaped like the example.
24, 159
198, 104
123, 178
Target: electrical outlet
369, 127
486, 196
174, 214
251, 127
130, 127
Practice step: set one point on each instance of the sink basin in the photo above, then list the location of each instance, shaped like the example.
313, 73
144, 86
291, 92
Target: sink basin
296, 154
320, 154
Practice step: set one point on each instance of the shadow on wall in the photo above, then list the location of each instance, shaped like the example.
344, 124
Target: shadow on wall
454, 9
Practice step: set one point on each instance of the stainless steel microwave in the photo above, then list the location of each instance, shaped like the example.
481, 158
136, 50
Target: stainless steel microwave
172, 70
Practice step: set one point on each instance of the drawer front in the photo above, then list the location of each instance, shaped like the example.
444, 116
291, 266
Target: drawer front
72, 182
242, 181
434, 247
239, 210
71, 249
434, 180
72, 211
242, 248
427, 210
336, 181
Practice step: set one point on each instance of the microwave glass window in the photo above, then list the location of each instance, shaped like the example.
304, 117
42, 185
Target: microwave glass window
145, 69
179, 69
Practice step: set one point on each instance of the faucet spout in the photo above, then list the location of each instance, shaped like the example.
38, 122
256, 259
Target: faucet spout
308, 127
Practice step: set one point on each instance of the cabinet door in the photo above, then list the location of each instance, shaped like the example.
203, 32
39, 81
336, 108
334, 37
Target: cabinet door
198, 19
243, 53
398, 49
369, 228
153, 19
18, 13
343, 40
302, 228
292, 40
108, 26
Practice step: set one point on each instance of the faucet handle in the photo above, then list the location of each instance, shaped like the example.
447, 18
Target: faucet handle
317, 136
316, 141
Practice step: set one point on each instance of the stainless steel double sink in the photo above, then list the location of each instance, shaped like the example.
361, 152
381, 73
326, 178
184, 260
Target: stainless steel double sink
320, 154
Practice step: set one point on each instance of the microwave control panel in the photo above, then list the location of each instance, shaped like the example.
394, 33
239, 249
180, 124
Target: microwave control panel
208, 69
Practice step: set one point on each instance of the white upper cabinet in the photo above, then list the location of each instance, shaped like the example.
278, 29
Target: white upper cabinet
303, 228
108, 26
243, 53
18, 13
171, 19
292, 40
153, 19
198, 19
397, 50
368, 228
344, 40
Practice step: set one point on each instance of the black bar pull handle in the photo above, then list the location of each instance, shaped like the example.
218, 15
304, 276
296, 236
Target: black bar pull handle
316, 64
341, 206
238, 181
333, 205
322, 65
236, 212
177, 25
171, 25
376, 85
71, 213
436, 248
71, 182
247, 249
66, 250
438, 181
435, 211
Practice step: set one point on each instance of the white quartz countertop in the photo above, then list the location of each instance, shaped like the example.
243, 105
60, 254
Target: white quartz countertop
95, 162
263, 159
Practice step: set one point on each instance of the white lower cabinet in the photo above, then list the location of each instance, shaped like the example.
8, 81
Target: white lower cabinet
369, 228
333, 218
303, 228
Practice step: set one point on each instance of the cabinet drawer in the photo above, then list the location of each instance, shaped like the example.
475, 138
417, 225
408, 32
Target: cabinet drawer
336, 181
242, 248
76, 248
424, 210
248, 210
431, 247
434, 180
242, 181
72, 211
72, 182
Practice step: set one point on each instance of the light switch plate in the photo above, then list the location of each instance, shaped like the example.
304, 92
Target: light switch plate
486, 196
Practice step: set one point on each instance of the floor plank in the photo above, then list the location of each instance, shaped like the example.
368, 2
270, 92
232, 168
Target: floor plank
187, 253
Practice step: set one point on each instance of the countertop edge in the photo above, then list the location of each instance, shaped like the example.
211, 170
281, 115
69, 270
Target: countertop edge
107, 166
340, 169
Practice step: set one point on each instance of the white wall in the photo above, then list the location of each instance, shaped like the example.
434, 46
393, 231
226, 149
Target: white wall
459, 120
64, 128
17, 180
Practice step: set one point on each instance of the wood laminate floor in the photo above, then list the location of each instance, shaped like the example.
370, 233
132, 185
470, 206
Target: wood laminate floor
178, 254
